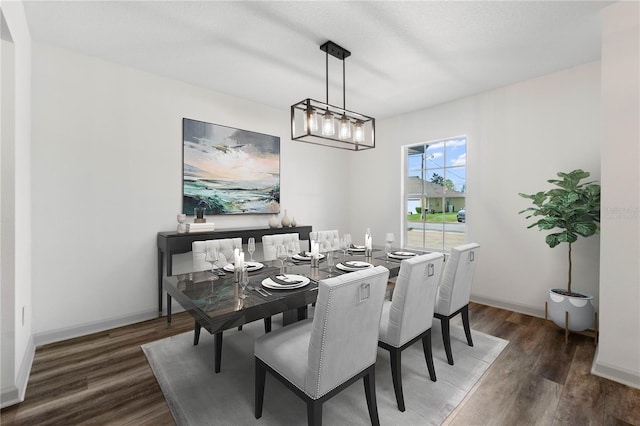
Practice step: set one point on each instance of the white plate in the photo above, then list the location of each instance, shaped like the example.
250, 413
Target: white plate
251, 266
348, 268
356, 248
401, 255
269, 283
307, 257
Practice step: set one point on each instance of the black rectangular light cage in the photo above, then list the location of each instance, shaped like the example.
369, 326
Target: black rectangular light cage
351, 130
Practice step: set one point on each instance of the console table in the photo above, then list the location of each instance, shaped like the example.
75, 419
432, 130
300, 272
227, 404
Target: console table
170, 243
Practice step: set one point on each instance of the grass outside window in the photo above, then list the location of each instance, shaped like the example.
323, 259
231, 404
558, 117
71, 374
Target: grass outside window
434, 217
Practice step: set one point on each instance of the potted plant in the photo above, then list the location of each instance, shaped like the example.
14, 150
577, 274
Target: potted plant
571, 209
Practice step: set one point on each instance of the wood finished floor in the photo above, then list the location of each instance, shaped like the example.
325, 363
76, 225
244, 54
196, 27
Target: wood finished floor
104, 379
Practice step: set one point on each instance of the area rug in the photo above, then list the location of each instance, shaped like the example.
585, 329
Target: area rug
197, 396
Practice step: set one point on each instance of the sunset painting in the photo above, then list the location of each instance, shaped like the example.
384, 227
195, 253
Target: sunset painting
229, 171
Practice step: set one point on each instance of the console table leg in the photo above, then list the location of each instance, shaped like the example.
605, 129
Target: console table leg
160, 267
168, 309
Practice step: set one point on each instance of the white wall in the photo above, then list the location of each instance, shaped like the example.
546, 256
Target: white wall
518, 137
107, 176
618, 354
17, 344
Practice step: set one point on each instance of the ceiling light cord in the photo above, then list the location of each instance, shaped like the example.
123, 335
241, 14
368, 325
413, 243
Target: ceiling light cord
326, 74
344, 96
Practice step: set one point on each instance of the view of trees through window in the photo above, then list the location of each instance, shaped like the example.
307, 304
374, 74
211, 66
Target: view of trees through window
435, 190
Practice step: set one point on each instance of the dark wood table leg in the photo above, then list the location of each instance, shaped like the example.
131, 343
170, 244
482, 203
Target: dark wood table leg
302, 313
218, 351
289, 317
196, 333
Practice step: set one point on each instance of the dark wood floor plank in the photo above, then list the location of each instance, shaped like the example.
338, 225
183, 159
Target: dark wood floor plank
583, 396
105, 379
622, 404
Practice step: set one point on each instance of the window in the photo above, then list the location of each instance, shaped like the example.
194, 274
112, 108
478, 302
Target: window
435, 188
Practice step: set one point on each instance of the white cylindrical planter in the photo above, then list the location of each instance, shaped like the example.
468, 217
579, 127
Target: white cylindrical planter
580, 309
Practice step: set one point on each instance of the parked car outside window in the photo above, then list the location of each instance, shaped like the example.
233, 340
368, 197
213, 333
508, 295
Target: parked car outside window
462, 215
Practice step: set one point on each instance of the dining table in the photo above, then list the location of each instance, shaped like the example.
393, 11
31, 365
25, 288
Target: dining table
215, 300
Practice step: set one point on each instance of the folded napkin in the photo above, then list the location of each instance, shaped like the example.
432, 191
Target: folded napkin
356, 264
284, 280
403, 253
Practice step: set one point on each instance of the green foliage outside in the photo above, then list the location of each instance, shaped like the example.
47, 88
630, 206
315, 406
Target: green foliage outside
433, 217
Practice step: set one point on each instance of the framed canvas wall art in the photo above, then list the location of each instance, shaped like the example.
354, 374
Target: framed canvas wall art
228, 170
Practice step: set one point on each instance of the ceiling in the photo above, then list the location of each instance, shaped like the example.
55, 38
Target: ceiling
405, 55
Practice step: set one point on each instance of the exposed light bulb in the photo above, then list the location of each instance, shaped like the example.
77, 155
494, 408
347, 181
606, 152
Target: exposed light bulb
313, 121
328, 125
344, 128
358, 131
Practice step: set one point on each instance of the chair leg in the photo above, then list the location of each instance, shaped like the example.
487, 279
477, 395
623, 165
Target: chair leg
370, 393
428, 356
314, 412
261, 373
218, 351
446, 338
196, 333
240, 328
267, 324
465, 323
396, 376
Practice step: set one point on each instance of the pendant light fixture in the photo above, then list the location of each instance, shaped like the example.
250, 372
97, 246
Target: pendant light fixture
325, 124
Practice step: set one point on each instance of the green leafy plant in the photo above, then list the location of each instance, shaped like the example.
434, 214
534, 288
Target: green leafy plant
572, 207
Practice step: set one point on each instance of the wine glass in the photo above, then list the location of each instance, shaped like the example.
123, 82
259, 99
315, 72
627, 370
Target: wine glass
347, 238
212, 257
281, 254
291, 251
330, 261
387, 248
387, 251
344, 245
251, 247
244, 282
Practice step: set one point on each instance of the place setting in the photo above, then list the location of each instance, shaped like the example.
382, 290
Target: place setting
401, 255
306, 257
353, 265
356, 249
285, 281
251, 266
280, 284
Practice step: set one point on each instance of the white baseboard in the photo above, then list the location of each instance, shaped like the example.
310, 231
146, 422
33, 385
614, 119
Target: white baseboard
502, 304
14, 393
58, 335
9, 395
617, 374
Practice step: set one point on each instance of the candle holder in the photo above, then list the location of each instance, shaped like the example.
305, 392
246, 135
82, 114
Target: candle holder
368, 253
237, 273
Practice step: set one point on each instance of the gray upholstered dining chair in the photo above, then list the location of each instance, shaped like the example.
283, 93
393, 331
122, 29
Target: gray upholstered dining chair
317, 358
270, 242
328, 240
408, 316
225, 247
454, 292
